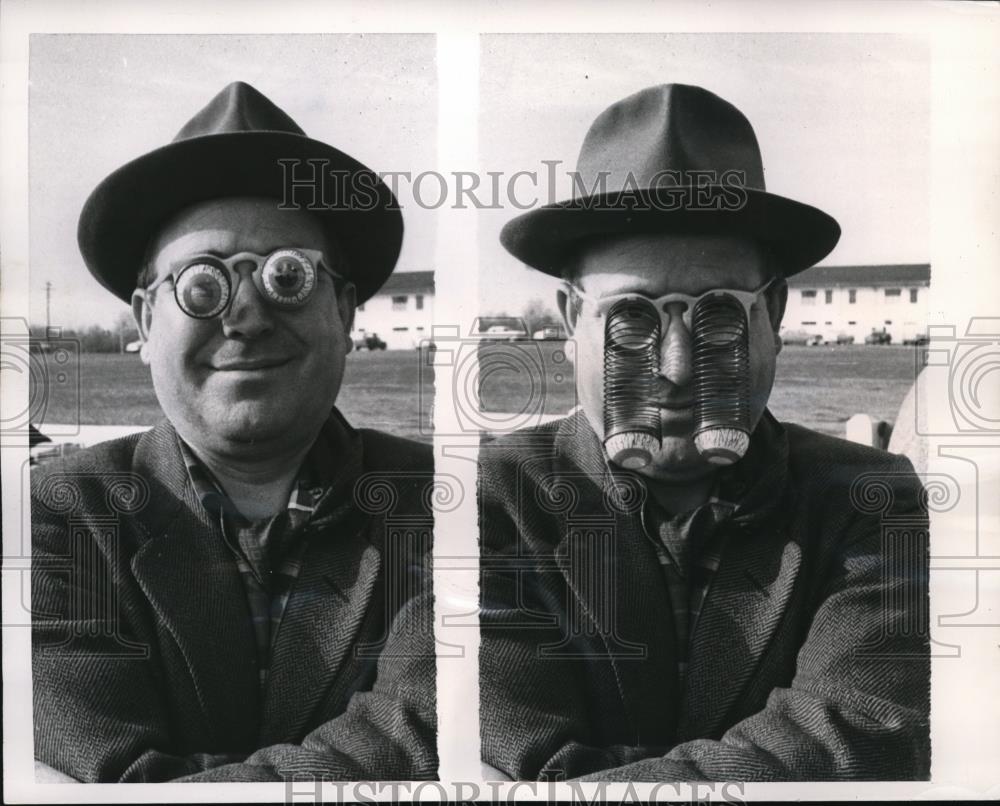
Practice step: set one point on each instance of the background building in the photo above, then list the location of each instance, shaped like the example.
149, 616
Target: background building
401, 313
832, 301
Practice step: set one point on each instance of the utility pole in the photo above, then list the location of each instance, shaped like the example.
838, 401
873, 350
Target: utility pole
48, 306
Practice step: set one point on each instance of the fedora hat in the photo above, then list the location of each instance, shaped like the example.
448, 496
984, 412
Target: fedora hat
235, 147
675, 159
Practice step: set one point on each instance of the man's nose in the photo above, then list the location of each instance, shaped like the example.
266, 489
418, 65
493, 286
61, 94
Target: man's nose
675, 347
248, 315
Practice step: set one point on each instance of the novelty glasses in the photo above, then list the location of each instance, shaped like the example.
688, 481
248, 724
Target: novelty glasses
286, 278
602, 305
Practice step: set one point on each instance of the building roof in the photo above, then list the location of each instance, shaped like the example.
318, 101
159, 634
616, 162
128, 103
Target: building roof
897, 274
408, 282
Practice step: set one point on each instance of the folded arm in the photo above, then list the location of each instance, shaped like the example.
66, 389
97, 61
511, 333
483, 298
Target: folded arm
388, 733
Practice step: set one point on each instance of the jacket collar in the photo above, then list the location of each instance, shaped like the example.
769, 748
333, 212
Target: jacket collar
193, 586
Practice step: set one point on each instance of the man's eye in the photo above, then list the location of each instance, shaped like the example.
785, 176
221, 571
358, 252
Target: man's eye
202, 290
288, 277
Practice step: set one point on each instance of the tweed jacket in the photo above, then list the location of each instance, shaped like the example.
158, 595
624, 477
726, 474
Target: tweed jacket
144, 662
809, 660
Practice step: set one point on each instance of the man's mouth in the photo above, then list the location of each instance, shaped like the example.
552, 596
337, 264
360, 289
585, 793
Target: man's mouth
250, 364
673, 405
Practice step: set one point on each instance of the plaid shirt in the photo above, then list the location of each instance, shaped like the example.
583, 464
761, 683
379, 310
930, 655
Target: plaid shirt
268, 553
689, 547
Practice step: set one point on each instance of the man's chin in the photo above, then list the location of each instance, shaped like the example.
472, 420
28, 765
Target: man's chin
250, 425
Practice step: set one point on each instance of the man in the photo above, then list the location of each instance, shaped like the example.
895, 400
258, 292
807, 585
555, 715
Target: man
210, 597
689, 619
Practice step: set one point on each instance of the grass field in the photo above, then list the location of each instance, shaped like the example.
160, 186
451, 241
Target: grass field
385, 390
819, 387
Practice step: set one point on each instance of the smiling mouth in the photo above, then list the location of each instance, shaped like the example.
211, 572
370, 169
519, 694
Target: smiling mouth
251, 365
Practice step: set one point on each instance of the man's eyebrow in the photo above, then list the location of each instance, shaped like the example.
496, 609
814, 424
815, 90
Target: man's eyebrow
223, 255
693, 294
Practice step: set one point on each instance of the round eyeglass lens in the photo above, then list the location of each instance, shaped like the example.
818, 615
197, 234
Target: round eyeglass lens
202, 290
288, 277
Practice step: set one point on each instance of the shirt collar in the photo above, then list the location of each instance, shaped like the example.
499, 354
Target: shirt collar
324, 479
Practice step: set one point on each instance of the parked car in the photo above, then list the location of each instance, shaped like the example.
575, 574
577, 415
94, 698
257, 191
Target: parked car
878, 337
549, 332
845, 338
503, 333
370, 341
801, 337
917, 340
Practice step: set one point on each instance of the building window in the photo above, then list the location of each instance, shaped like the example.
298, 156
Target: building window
420, 302
400, 329
828, 323
399, 303
809, 297
828, 296
913, 295
888, 321
852, 322
893, 294
808, 323
852, 296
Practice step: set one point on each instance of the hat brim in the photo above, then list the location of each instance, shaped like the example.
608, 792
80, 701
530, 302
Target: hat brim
128, 207
798, 235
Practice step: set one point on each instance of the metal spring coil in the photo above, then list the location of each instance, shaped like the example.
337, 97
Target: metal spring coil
720, 364
631, 362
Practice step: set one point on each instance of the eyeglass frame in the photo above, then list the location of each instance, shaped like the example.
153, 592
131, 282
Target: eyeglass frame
603, 304
228, 264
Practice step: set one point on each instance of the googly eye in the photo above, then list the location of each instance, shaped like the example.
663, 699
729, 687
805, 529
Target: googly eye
288, 277
202, 290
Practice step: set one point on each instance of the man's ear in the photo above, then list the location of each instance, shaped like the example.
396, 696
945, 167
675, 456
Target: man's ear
347, 300
568, 307
777, 298
142, 313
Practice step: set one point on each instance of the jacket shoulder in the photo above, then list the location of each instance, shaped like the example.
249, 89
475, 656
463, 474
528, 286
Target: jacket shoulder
96, 466
388, 452
518, 447
806, 446
841, 472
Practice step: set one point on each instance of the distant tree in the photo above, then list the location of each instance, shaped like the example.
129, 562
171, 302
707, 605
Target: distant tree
96, 339
538, 315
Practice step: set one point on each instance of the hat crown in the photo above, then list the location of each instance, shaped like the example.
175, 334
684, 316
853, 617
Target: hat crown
668, 129
238, 108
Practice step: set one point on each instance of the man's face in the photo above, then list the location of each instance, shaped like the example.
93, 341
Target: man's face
655, 265
255, 375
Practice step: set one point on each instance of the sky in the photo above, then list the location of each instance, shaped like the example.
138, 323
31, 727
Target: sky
98, 101
843, 121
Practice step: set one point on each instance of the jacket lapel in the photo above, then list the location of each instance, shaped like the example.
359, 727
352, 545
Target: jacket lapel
739, 617
751, 589
332, 595
319, 628
612, 569
191, 581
